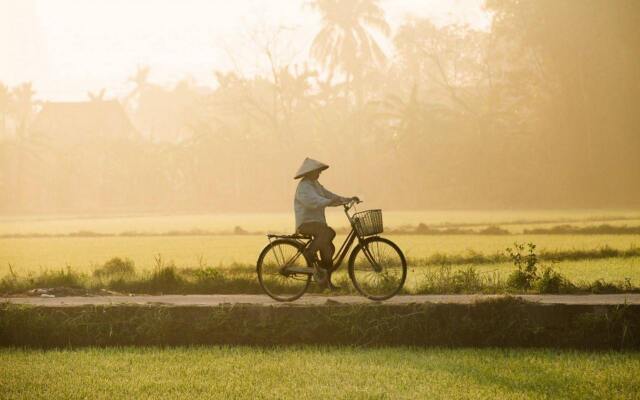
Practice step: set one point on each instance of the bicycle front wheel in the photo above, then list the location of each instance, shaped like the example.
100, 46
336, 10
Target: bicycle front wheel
377, 268
275, 266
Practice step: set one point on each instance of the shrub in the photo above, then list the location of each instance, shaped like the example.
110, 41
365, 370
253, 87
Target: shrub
62, 277
444, 280
467, 280
550, 281
205, 274
527, 275
600, 286
166, 279
519, 280
116, 268
527, 265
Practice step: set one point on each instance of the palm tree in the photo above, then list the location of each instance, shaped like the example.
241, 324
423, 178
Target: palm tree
141, 81
345, 43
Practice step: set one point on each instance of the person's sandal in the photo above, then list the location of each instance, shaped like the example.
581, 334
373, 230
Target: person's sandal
319, 273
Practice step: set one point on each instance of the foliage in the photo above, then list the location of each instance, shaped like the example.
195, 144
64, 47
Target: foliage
556, 79
599, 286
551, 281
241, 279
115, 268
526, 264
529, 276
343, 42
446, 280
504, 322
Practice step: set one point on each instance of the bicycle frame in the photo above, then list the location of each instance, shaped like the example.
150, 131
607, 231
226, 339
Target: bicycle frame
339, 255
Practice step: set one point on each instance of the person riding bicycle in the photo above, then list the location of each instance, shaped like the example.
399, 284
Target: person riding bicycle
310, 201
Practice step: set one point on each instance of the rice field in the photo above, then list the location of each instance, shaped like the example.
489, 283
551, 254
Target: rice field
284, 222
316, 373
613, 270
84, 254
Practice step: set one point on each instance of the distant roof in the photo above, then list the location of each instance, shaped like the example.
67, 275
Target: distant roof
105, 118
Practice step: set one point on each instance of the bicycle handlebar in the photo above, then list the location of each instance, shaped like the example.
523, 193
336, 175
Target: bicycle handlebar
352, 202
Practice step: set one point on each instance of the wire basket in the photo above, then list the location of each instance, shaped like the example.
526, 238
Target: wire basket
368, 222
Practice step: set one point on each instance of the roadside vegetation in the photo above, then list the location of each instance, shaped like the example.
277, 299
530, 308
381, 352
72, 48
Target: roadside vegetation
519, 269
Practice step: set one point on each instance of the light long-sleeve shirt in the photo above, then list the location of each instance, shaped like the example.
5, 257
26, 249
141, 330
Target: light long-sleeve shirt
311, 200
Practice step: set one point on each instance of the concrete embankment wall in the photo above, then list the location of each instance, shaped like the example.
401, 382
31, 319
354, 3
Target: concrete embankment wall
504, 322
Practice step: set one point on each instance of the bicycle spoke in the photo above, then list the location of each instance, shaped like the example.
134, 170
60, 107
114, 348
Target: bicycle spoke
272, 274
378, 270
282, 255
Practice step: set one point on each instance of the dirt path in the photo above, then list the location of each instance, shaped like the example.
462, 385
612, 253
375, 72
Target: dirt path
214, 300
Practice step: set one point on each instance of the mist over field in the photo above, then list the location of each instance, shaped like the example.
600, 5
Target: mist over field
155, 244
538, 110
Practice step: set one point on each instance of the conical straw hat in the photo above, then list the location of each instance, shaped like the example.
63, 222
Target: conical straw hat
309, 165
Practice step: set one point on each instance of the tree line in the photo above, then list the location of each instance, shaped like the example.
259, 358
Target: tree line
541, 110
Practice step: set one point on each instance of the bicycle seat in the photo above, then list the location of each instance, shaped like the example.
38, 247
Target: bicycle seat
292, 236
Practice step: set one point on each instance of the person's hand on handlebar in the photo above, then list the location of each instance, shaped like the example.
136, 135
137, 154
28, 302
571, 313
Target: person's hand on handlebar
350, 201
346, 201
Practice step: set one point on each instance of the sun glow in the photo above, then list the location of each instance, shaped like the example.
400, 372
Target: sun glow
68, 47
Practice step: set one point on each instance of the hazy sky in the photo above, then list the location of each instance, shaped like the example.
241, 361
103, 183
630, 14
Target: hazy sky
69, 47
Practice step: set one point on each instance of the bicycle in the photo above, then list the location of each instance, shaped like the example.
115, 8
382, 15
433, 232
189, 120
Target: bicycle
377, 267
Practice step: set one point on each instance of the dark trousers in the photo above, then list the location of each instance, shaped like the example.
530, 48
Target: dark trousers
322, 240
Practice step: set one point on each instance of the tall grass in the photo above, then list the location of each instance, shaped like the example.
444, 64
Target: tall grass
167, 278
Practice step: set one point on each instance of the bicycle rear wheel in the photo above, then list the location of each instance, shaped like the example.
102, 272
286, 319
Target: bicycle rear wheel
377, 268
274, 275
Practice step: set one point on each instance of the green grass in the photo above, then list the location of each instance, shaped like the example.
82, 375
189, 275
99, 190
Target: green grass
316, 373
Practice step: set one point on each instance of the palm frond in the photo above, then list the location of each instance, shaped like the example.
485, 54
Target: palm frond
323, 44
